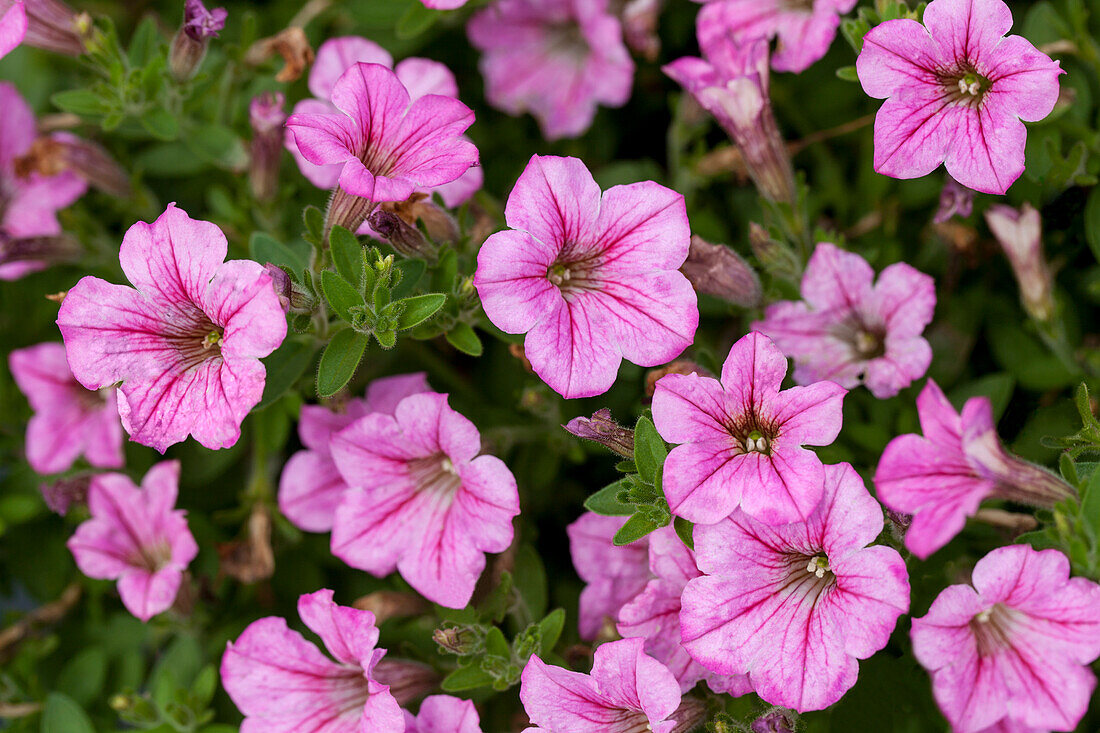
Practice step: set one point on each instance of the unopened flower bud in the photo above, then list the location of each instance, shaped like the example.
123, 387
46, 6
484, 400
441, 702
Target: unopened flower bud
63, 493
955, 200
251, 559
717, 270
602, 429
775, 256
37, 252
282, 284
689, 716
680, 366
775, 721
640, 27
1020, 234
387, 604
50, 155
51, 25
439, 224
193, 37
405, 238
455, 640
267, 117
290, 43
407, 680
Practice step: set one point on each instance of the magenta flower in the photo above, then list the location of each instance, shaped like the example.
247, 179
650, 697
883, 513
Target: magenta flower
137, 537
284, 684
806, 28
69, 421
444, 714
557, 59
311, 487
795, 606
627, 691
443, 4
185, 341
849, 329
955, 200
200, 23
956, 90
421, 499
942, 477
1012, 652
613, 575
419, 76
13, 27
742, 438
591, 279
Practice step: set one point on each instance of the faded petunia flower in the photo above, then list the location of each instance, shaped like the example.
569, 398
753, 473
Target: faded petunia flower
956, 90
613, 575
311, 487
1020, 234
805, 28
941, 478
185, 341
422, 501
69, 421
796, 606
266, 115
743, 438
47, 24
285, 684
1012, 652
137, 537
850, 329
557, 59
955, 200
444, 714
591, 278
627, 691
13, 27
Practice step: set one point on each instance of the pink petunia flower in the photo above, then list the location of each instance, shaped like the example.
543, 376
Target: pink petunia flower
386, 143
13, 27
444, 714
1012, 652
851, 330
419, 76
613, 575
137, 537
185, 341
956, 90
557, 59
444, 4
284, 684
311, 487
805, 28
942, 477
795, 606
69, 421
627, 691
421, 499
742, 438
591, 279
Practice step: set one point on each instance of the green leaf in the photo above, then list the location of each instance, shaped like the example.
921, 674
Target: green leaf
550, 629
386, 339
626, 467
411, 272
83, 676
463, 338
415, 21
144, 43
347, 254
263, 248
635, 528
340, 294
847, 73
1092, 220
62, 715
161, 124
1090, 504
206, 684
606, 501
496, 644
649, 450
684, 530
81, 102
530, 579
419, 309
340, 360
220, 146
314, 221
285, 366
466, 678
997, 387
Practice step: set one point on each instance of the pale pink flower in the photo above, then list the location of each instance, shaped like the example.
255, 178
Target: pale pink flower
421, 499
591, 278
955, 200
743, 439
941, 478
420, 77
69, 421
627, 691
443, 4
805, 28
137, 537
443, 714
557, 59
613, 575
1012, 652
285, 684
185, 341
956, 90
311, 487
13, 27
850, 329
796, 606
1020, 234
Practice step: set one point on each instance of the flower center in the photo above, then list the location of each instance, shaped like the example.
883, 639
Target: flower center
803, 6
566, 39
966, 86
152, 557
818, 566
195, 337
992, 629
435, 473
756, 442
572, 276
869, 345
750, 435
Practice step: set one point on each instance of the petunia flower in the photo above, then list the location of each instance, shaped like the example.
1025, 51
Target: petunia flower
13, 27
284, 684
627, 691
1020, 234
591, 278
612, 574
185, 341
851, 330
742, 439
1012, 652
444, 714
47, 24
942, 477
796, 606
387, 143
557, 59
805, 28
137, 537
311, 487
421, 499
956, 90
443, 4
69, 421
419, 76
